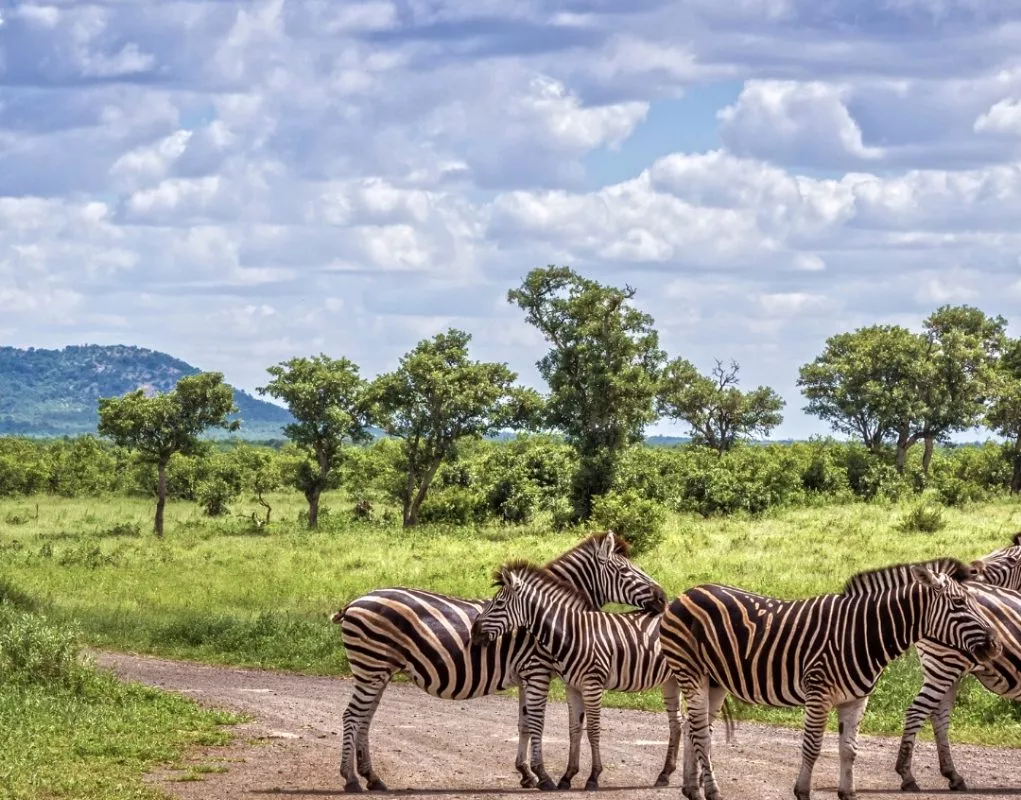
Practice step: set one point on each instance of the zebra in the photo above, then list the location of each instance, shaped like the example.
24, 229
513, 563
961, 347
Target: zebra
820, 652
999, 596
426, 636
592, 650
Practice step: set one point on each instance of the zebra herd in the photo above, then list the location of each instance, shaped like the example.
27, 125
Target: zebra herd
711, 642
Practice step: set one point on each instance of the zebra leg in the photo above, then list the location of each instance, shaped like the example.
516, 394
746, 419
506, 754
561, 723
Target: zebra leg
939, 677
576, 718
528, 780
816, 711
941, 729
365, 769
536, 693
593, 695
697, 740
672, 701
358, 713
849, 716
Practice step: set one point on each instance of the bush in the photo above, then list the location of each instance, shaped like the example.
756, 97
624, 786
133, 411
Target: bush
34, 652
634, 517
923, 518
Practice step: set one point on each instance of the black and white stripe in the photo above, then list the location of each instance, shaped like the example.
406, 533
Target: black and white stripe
943, 668
818, 653
426, 636
591, 649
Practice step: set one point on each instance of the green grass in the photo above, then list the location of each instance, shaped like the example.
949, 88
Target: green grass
68, 730
219, 592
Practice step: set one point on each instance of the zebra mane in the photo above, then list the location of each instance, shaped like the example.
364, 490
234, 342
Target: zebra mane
541, 575
896, 575
621, 546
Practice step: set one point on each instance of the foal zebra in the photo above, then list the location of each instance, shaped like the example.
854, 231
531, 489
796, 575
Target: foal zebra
426, 636
592, 651
818, 653
942, 669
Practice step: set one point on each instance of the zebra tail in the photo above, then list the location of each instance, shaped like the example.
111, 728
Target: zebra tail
729, 720
338, 617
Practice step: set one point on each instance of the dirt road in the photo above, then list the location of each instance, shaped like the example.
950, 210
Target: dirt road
466, 749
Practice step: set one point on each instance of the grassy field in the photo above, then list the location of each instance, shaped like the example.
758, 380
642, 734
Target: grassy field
68, 730
219, 591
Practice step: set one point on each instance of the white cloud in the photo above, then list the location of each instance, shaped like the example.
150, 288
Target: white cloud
1002, 118
792, 122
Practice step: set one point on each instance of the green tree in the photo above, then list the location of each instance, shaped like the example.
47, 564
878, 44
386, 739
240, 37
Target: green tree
326, 398
963, 346
718, 412
865, 384
437, 398
157, 427
602, 370
1004, 415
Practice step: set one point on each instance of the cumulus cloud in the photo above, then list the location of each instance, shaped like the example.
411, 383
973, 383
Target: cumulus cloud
239, 182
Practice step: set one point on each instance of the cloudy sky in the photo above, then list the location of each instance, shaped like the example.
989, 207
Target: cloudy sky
236, 183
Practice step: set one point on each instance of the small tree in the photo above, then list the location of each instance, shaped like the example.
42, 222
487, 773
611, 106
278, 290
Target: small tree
865, 384
437, 398
602, 370
157, 427
325, 396
718, 412
1004, 416
962, 348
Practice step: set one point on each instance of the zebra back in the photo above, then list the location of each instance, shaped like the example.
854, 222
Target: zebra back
896, 576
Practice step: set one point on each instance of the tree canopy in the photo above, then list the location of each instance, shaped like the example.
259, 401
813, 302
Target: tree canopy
718, 412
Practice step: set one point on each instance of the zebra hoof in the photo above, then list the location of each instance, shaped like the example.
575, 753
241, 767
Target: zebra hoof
376, 785
564, 784
691, 794
547, 785
591, 785
957, 784
910, 786
352, 786
529, 782
662, 780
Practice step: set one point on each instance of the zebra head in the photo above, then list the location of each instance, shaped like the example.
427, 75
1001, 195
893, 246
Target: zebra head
526, 594
953, 617
600, 568
1002, 567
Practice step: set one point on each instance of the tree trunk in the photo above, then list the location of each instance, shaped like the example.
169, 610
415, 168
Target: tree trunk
161, 498
269, 509
930, 445
1015, 481
902, 452
412, 508
313, 507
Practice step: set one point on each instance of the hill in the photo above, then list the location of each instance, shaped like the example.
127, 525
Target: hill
56, 392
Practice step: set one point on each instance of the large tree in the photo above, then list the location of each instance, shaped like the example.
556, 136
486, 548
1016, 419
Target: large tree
326, 398
865, 384
963, 346
1004, 416
438, 397
156, 427
603, 370
718, 412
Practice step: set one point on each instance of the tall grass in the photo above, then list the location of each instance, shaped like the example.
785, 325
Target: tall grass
221, 591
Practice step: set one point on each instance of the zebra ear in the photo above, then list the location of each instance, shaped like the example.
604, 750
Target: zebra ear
925, 576
511, 580
607, 547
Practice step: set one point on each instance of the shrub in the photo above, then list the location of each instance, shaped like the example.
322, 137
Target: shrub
923, 518
34, 652
636, 518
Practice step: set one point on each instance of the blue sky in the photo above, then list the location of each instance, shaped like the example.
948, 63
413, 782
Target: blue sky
236, 183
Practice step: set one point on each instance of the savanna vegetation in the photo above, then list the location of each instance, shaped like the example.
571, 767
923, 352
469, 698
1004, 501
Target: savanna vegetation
435, 472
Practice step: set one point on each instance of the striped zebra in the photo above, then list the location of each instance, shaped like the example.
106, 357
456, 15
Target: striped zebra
592, 650
821, 652
426, 636
943, 668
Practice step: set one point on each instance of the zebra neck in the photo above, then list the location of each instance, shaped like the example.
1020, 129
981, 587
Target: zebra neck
578, 577
889, 622
554, 621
